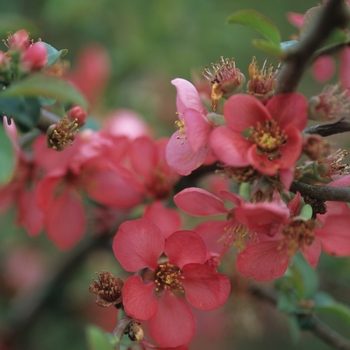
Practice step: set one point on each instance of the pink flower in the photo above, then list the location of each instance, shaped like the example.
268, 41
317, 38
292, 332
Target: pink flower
269, 258
188, 147
274, 141
34, 58
159, 296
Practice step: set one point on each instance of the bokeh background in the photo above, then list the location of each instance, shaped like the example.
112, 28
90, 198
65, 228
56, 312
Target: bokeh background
149, 43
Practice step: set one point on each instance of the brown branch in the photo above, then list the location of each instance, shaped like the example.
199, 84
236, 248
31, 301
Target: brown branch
329, 129
314, 324
334, 15
119, 330
322, 193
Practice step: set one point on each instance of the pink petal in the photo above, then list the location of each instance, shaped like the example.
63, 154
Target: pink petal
294, 204
184, 247
138, 299
296, 19
263, 261
289, 109
343, 181
143, 156
65, 221
261, 163
335, 235
287, 177
168, 220
138, 244
323, 69
205, 288
244, 111
291, 150
198, 202
312, 253
181, 157
232, 197
187, 97
230, 146
197, 129
212, 232
174, 323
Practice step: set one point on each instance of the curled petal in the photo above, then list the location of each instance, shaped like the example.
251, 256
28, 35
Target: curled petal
174, 323
138, 244
138, 299
199, 202
205, 288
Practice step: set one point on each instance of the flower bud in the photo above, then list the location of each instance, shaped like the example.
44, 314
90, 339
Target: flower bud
19, 40
77, 114
134, 331
315, 147
34, 58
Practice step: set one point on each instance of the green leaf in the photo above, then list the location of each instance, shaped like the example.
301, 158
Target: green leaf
287, 45
24, 110
37, 85
97, 339
305, 213
294, 329
258, 22
269, 47
7, 157
325, 303
53, 54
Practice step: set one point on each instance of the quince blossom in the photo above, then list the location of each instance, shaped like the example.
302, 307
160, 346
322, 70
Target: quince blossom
159, 296
274, 141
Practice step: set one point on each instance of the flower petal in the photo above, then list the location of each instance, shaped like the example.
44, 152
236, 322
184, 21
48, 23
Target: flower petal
184, 247
174, 323
289, 109
138, 244
263, 261
138, 299
230, 146
243, 111
199, 202
205, 288
312, 253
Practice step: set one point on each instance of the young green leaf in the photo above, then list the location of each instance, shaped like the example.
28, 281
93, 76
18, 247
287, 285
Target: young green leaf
53, 54
7, 157
37, 85
97, 339
258, 22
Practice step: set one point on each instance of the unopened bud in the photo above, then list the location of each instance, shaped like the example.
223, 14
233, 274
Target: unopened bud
34, 58
4, 63
77, 113
19, 40
315, 147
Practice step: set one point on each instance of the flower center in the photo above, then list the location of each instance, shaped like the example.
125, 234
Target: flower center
168, 277
298, 235
269, 138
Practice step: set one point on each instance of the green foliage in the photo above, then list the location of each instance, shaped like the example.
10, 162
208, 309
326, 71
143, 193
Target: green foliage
7, 157
305, 213
47, 86
53, 54
24, 110
97, 339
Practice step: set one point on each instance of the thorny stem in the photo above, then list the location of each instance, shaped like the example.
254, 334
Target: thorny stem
334, 15
323, 193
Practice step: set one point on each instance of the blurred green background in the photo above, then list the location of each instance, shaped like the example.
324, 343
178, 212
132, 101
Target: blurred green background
150, 42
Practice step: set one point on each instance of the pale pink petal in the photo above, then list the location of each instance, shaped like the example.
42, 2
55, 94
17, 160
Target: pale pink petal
232, 197
335, 235
294, 204
312, 253
138, 299
184, 247
65, 221
287, 177
289, 109
323, 69
343, 181
138, 244
230, 146
244, 111
334, 208
174, 323
205, 288
197, 129
180, 155
262, 261
296, 19
198, 202
291, 150
187, 97
168, 220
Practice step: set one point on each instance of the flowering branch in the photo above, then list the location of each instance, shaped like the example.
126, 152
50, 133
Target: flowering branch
312, 323
323, 193
334, 15
329, 129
